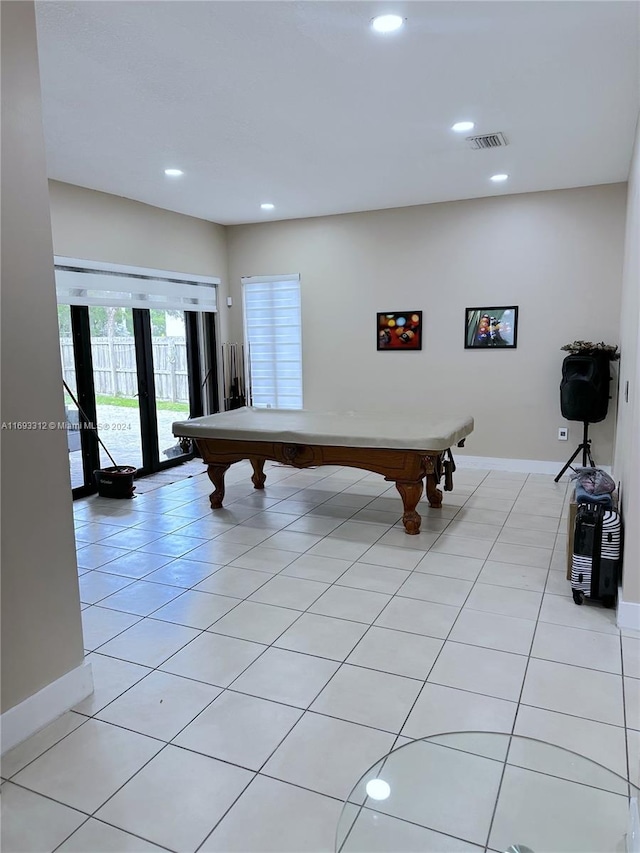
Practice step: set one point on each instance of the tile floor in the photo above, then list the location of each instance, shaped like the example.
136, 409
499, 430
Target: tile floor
251, 663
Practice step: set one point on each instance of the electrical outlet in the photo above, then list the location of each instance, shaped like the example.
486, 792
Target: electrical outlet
563, 433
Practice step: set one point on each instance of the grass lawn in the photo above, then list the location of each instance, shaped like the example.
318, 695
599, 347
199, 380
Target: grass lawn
132, 403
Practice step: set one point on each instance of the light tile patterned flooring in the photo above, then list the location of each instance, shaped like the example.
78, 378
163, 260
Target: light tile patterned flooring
251, 663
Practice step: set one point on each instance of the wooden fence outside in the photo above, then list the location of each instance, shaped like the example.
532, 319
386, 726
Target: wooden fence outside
114, 367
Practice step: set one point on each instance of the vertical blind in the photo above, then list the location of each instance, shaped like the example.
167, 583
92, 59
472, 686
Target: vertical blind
273, 332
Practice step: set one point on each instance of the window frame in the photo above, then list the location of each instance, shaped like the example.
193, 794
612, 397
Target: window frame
248, 281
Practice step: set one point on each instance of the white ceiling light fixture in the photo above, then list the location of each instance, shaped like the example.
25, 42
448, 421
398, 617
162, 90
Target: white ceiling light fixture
387, 23
498, 179
173, 173
267, 206
462, 126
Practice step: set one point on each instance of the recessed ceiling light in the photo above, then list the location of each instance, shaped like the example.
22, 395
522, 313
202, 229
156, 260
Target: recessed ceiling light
387, 23
499, 178
267, 206
173, 173
461, 126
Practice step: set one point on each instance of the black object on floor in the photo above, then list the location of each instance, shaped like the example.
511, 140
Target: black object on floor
596, 554
115, 482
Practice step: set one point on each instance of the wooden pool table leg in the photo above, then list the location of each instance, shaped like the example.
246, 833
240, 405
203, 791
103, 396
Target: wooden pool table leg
434, 495
410, 494
259, 476
216, 474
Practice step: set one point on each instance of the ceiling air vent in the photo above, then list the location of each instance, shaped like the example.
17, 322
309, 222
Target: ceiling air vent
487, 140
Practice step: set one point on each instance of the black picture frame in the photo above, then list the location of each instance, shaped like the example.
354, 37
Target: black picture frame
491, 328
399, 331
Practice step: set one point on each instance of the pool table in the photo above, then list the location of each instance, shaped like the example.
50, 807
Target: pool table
405, 447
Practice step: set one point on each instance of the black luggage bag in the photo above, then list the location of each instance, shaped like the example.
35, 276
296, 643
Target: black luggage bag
596, 554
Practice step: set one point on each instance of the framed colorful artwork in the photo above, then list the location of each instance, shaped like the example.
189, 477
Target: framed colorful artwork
399, 330
491, 328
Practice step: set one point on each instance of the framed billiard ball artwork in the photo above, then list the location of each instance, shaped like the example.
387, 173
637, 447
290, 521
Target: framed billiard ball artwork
399, 330
491, 328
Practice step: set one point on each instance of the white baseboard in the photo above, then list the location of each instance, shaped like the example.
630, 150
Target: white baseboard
45, 706
522, 466
628, 613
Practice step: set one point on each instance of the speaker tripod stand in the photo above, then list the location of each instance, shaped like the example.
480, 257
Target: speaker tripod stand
585, 447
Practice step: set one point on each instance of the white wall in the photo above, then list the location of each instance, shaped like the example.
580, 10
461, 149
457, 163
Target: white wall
41, 628
97, 226
627, 457
557, 255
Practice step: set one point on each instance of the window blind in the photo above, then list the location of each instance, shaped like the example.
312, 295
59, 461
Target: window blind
96, 283
273, 332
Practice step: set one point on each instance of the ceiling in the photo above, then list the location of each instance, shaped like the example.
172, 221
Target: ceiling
301, 104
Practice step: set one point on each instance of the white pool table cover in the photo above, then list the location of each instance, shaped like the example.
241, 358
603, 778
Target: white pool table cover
401, 430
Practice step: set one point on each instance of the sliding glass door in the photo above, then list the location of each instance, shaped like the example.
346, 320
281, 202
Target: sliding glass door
138, 352
72, 414
115, 380
132, 372
170, 378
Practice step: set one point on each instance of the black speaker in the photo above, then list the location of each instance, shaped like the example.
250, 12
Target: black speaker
584, 390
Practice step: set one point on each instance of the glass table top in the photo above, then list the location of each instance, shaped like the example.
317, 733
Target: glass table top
467, 792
